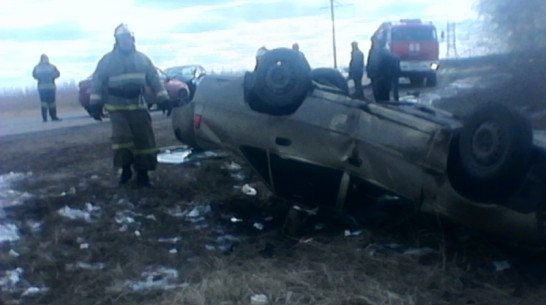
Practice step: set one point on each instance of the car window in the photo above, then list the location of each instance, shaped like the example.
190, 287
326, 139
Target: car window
187, 71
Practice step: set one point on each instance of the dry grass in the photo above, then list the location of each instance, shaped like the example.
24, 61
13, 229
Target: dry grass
336, 271
21, 102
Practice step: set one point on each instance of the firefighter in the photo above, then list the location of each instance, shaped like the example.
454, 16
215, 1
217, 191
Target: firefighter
356, 69
46, 73
383, 69
123, 74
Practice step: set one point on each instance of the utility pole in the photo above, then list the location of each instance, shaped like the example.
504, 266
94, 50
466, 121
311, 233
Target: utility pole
333, 32
451, 40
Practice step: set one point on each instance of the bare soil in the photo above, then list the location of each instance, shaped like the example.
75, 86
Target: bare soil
196, 238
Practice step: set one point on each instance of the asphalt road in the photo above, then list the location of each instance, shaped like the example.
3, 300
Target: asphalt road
33, 122
30, 122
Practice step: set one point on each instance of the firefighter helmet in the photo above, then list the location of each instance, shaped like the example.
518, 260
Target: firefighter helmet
122, 30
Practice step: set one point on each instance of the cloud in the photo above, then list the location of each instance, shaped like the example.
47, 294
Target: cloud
218, 34
52, 32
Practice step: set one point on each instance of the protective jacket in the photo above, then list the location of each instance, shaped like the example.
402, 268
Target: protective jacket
122, 77
45, 73
383, 69
356, 65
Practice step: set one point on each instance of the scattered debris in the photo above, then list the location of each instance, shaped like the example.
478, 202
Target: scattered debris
9, 197
235, 219
184, 154
8, 232
353, 233
233, 166
174, 156
156, 278
259, 299
12, 281
90, 212
501, 265
249, 190
85, 266
71, 191
171, 240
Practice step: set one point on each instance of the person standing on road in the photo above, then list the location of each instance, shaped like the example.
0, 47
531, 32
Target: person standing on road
383, 69
46, 73
124, 72
356, 69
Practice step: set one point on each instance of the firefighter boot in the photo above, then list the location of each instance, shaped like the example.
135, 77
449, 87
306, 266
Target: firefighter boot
44, 114
142, 179
126, 174
53, 114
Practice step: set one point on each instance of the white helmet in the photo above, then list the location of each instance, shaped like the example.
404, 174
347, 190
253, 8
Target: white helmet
123, 29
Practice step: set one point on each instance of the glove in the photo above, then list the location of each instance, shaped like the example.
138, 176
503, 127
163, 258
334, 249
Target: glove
166, 107
96, 112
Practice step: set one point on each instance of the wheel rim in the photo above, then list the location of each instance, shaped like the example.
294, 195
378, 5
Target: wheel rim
488, 144
280, 78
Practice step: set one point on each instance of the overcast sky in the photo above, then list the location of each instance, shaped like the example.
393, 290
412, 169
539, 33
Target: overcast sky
221, 35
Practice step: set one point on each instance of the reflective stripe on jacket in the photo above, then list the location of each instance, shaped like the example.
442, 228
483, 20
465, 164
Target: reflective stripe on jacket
123, 74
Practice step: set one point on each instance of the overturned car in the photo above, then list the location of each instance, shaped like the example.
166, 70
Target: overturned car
312, 144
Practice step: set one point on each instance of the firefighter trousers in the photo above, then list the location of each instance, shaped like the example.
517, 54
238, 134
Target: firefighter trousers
133, 139
47, 103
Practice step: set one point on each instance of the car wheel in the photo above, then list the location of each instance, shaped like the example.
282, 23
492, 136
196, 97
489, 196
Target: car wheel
494, 147
330, 77
183, 97
280, 83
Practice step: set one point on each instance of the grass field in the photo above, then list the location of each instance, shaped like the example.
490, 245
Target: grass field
26, 101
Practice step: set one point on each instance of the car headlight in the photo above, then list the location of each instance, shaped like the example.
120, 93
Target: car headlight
434, 66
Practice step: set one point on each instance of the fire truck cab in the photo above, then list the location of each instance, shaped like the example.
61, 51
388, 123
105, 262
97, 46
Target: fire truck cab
415, 43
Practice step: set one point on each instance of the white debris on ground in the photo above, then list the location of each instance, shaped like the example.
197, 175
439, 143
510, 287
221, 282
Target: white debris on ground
154, 278
90, 213
183, 154
8, 233
8, 196
11, 281
249, 190
174, 156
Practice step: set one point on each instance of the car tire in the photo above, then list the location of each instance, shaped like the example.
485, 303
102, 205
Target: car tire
279, 84
494, 148
330, 77
183, 97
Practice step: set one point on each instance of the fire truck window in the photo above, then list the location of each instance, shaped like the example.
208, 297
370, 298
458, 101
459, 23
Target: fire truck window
413, 33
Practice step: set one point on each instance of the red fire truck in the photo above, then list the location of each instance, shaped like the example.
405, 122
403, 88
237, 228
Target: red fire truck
415, 43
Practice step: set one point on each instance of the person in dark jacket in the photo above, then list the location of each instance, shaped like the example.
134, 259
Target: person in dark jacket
356, 69
123, 74
46, 73
383, 69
